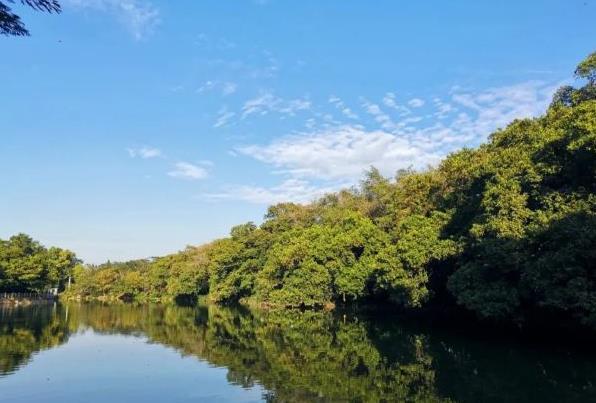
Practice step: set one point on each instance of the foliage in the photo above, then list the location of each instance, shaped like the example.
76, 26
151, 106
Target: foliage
11, 24
25, 265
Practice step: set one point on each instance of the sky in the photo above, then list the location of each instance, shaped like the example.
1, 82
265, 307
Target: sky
132, 128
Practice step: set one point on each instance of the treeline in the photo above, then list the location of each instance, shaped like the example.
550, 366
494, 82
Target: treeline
28, 266
506, 230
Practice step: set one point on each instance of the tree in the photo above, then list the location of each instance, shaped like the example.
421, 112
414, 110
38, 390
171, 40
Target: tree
587, 69
60, 265
11, 24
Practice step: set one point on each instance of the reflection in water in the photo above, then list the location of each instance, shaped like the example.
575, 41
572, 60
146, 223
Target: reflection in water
24, 331
315, 356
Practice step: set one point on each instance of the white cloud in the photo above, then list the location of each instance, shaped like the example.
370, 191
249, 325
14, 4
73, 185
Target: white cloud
290, 190
225, 87
389, 100
140, 17
443, 109
494, 108
144, 152
380, 117
261, 105
416, 102
267, 102
339, 104
223, 117
340, 153
320, 159
206, 86
185, 170
345, 151
229, 88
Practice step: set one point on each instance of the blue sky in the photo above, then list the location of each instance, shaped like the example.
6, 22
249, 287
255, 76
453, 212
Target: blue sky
132, 128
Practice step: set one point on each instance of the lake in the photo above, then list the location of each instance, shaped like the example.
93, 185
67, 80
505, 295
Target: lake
125, 353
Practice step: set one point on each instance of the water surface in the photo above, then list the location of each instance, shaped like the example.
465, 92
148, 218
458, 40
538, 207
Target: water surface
124, 353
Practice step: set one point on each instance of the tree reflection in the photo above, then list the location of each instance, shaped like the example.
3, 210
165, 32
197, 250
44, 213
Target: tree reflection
24, 331
316, 356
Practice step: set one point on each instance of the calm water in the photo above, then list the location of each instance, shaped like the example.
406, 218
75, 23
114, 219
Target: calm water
124, 353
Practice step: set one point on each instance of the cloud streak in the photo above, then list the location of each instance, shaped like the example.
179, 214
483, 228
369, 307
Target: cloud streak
186, 170
224, 87
340, 153
224, 116
267, 102
341, 106
144, 152
295, 190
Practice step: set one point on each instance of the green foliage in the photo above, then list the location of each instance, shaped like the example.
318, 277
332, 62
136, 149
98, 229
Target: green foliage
587, 68
11, 24
561, 275
25, 265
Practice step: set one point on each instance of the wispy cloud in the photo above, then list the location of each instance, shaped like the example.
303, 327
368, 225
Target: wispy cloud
379, 116
443, 109
341, 106
390, 101
144, 152
267, 102
290, 190
484, 111
186, 170
224, 116
263, 66
463, 119
340, 153
224, 87
331, 154
229, 88
316, 161
138, 16
416, 102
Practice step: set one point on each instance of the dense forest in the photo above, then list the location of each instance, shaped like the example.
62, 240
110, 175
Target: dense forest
27, 266
506, 231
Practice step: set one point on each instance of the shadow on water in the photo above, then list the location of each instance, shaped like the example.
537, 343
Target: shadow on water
317, 356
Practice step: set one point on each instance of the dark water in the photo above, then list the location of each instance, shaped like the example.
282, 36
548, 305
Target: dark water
124, 353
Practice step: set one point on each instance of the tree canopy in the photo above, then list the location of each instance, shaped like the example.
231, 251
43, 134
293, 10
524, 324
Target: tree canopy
26, 265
